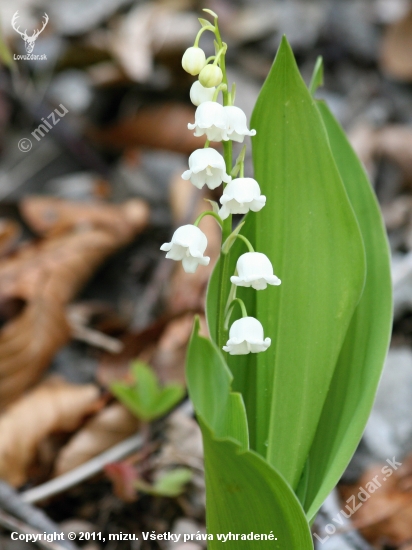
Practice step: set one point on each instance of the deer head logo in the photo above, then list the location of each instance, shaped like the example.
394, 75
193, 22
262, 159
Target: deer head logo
29, 40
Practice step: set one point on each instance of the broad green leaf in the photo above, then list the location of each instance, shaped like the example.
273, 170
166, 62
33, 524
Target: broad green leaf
209, 381
360, 363
309, 231
145, 398
243, 493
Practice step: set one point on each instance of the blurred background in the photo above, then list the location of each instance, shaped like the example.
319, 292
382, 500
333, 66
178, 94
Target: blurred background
93, 139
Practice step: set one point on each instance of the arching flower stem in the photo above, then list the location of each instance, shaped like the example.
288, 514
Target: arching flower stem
199, 34
220, 88
246, 241
208, 213
230, 309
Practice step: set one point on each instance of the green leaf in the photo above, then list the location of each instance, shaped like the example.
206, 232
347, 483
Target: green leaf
214, 205
316, 248
212, 13
205, 22
317, 76
6, 56
358, 370
244, 494
309, 232
227, 245
170, 484
146, 399
209, 381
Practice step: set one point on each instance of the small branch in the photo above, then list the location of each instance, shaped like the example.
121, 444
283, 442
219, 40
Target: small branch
12, 524
78, 316
84, 471
30, 519
95, 338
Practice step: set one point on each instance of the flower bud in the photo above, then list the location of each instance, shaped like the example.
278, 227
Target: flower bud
210, 76
193, 60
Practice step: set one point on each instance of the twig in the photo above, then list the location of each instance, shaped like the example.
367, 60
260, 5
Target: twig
32, 520
78, 316
86, 470
95, 338
12, 524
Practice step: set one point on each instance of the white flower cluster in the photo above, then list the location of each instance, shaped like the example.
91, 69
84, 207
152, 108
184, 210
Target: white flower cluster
240, 195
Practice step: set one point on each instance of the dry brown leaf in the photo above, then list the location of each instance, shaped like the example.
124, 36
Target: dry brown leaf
47, 215
396, 53
135, 344
387, 515
107, 428
169, 356
183, 443
54, 405
47, 275
146, 29
392, 143
10, 232
157, 127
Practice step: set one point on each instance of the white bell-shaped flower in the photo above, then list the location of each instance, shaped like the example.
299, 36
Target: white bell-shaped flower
206, 167
254, 270
188, 245
240, 196
246, 336
236, 124
193, 60
210, 119
199, 94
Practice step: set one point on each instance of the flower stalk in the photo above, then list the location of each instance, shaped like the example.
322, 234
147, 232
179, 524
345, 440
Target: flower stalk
208, 213
222, 122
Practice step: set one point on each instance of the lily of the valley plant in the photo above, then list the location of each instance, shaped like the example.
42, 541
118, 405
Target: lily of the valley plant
284, 385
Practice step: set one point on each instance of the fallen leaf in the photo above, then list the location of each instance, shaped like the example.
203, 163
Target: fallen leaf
146, 29
396, 52
392, 143
169, 356
46, 275
110, 426
183, 445
116, 367
50, 215
158, 127
386, 515
53, 406
10, 232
